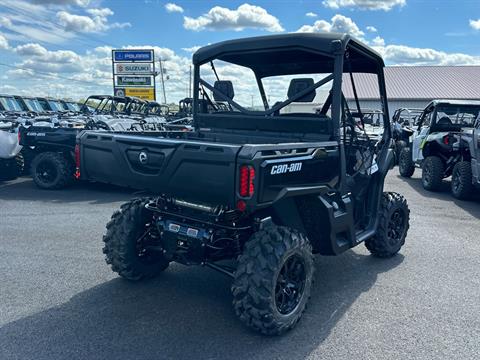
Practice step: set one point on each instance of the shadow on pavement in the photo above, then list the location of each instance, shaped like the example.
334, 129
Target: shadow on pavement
185, 313
471, 205
95, 193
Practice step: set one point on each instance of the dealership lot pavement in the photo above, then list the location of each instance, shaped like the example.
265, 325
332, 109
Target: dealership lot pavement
59, 300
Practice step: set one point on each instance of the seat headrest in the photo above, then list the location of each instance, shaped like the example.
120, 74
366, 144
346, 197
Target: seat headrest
444, 121
298, 85
225, 87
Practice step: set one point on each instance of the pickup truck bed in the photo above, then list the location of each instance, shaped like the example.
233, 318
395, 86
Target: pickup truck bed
203, 169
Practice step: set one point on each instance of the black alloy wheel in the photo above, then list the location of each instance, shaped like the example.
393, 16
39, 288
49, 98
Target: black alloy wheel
290, 285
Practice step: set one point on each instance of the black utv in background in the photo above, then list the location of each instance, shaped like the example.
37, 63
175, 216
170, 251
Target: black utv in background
446, 143
255, 193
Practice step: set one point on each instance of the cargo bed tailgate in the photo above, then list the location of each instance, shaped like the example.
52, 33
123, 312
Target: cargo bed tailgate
197, 171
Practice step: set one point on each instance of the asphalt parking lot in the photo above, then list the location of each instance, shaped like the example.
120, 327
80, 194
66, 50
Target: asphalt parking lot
59, 300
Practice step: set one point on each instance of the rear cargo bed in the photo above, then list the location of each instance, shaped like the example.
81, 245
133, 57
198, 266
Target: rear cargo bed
200, 171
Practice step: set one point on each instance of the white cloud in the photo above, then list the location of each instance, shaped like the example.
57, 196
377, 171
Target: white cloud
191, 49
385, 5
338, 23
28, 22
246, 16
82, 3
3, 42
311, 14
378, 41
372, 28
104, 50
392, 54
31, 49
475, 24
5, 22
97, 22
101, 13
171, 7
20, 73
406, 55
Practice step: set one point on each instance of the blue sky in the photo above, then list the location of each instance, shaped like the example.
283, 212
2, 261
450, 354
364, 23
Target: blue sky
62, 47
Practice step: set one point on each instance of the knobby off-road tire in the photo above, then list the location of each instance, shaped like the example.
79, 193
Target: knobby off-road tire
52, 171
28, 156
399, 146
10, 169
393, 226
126, 232
406, 166
432, 173
462, 180
273, 280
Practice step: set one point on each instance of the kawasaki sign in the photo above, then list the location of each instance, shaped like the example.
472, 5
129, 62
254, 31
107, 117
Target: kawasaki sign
135, 68
134, 81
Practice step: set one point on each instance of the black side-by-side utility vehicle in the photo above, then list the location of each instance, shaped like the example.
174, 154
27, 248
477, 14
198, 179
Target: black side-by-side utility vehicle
254, 194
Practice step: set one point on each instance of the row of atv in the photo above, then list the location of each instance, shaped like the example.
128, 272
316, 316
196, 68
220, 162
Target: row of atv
62, 120
444, 141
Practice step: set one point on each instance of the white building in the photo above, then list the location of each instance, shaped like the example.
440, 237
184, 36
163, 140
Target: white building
416, 86
408, 87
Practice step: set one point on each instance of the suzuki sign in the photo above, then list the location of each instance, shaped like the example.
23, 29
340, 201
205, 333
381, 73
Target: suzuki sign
133, 68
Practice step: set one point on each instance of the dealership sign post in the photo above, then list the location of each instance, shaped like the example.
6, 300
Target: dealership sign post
134, 73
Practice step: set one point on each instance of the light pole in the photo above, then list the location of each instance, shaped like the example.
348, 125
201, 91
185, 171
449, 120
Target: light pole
163, 82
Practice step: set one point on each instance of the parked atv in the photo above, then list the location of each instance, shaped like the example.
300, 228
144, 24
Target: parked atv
254, 194
403, 122
446, 143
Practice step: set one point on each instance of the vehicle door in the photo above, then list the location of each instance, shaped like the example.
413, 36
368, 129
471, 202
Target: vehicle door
421, 134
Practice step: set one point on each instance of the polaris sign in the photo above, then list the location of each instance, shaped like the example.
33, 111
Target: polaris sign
133, 55
135, 68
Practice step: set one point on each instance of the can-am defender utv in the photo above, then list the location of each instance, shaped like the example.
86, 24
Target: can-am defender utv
446, 143
255, 193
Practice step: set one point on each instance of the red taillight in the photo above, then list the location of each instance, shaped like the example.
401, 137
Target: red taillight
247, 175
446, 140
77, 161
19, 136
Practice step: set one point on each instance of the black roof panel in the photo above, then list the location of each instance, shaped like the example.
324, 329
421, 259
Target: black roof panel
291, 53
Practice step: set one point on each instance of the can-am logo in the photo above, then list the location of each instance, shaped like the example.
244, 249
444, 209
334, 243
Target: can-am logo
286, 168
143, 157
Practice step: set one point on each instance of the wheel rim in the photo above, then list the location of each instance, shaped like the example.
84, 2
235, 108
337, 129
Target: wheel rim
47, 172
290, 285
427, 176
396, 227
456, 182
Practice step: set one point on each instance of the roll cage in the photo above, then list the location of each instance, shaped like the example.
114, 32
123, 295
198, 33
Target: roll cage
430, 114
291, 54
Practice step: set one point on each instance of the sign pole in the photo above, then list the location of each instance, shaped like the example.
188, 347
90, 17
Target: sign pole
163, 81
113, 73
